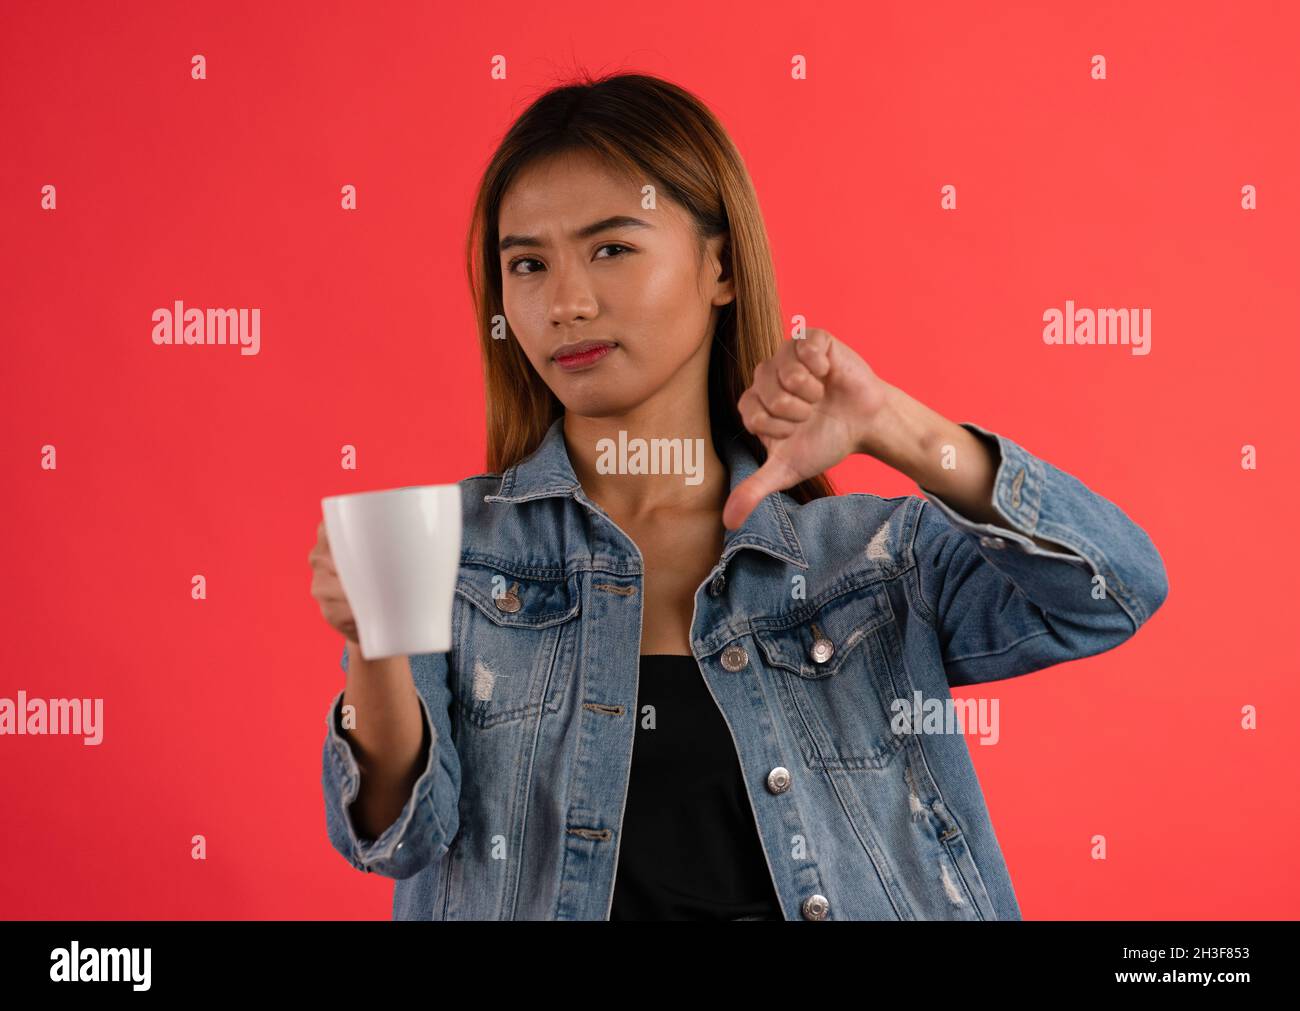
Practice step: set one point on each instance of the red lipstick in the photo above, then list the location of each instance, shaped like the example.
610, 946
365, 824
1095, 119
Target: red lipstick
582, 355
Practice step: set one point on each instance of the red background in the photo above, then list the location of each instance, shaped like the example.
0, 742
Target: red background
225, 192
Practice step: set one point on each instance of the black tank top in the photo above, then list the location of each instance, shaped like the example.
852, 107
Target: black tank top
690, 848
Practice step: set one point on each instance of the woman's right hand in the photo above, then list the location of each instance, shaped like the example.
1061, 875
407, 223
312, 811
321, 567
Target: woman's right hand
328, 590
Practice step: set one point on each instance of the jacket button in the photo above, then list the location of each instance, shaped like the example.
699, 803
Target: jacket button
778, 780
815, 907
822, 648
1015, 488
993, 542
718, 584
509, 601
734, 658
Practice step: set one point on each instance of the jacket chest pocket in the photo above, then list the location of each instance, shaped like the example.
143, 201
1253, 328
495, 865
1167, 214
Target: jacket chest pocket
515, 642
836, 665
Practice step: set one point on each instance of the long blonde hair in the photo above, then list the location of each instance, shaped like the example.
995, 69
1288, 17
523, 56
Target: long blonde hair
646, 128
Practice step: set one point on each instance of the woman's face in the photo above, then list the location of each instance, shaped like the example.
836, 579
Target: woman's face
640, 286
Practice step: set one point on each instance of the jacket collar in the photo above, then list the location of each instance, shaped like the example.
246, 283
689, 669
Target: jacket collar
547, 472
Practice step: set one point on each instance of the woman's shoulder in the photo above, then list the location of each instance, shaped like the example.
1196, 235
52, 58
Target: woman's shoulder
858, 524
475, 489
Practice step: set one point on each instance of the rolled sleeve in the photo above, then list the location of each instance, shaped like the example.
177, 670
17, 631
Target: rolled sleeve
1017, 496
1005, 604
422, 831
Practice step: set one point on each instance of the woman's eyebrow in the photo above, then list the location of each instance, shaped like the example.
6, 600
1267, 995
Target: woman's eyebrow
585, 232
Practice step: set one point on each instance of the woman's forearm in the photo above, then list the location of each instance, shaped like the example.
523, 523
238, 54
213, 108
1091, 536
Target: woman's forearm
388, 740
911, 438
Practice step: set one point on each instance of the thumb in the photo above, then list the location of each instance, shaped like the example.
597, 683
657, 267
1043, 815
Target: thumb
774, 475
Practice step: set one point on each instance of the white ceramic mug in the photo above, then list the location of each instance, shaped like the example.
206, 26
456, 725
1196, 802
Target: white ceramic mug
397, 553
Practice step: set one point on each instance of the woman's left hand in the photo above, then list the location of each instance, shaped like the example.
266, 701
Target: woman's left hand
810, 405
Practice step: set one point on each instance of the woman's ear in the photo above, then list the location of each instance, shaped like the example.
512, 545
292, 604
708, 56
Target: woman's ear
726, 280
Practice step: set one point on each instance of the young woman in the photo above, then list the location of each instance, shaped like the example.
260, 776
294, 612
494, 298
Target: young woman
687, 679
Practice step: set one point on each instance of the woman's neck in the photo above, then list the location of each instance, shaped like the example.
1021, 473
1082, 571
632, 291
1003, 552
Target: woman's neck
636, 465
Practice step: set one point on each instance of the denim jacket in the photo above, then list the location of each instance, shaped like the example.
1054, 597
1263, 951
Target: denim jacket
812, 622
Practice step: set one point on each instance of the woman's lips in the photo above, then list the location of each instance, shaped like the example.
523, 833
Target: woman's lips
585, 359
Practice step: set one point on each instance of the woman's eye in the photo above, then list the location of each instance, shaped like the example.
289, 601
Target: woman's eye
522, 259
510, 267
